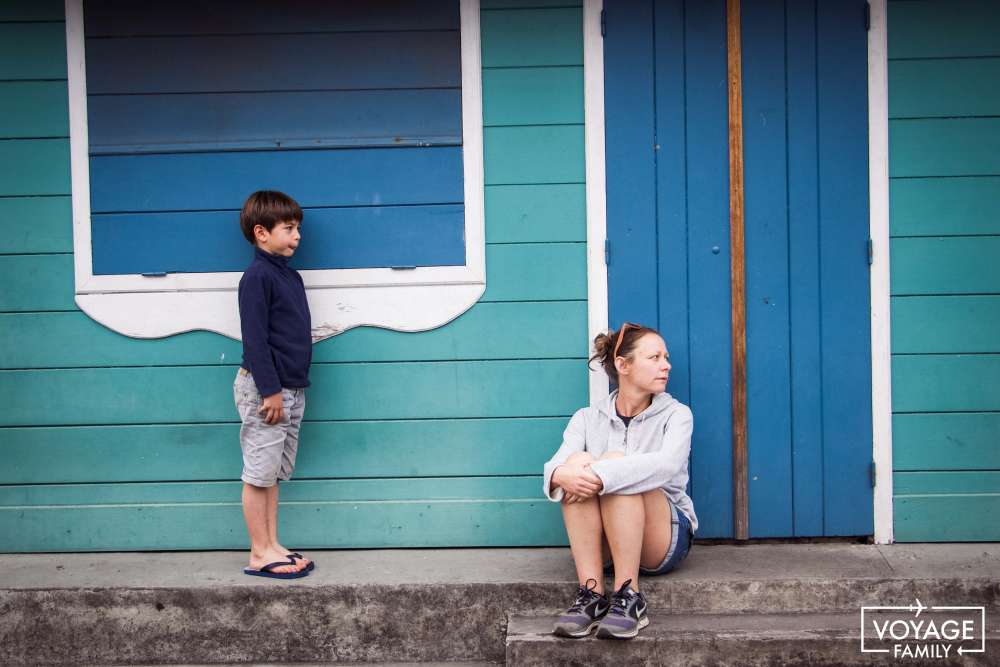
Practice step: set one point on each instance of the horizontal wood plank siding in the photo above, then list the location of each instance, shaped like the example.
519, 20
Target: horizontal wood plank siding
944, 60
411, 439
336, 450
472, 522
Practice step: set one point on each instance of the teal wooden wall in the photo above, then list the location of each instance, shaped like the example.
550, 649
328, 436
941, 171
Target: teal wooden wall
944, 163
430, 439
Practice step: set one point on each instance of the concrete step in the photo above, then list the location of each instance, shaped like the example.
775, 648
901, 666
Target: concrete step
421, 605
746, 640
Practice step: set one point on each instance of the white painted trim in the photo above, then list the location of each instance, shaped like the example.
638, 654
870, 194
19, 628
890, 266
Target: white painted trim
340, 299
76, 70
597, 233
878, 185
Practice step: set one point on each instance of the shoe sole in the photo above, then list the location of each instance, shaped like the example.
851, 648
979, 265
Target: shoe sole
559, 632
605, 633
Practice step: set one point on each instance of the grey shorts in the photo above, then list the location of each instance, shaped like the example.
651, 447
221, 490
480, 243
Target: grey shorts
268, 450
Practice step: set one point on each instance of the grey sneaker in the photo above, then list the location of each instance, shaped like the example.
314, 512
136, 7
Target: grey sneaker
585, 613
627, 615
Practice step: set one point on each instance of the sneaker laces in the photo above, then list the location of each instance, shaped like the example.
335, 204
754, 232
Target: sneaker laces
584, 595
620, 600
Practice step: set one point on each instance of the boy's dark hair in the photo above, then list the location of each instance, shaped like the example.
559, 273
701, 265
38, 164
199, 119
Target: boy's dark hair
267, 208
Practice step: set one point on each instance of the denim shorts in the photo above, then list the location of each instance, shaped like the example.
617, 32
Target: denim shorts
268, 449
681, 539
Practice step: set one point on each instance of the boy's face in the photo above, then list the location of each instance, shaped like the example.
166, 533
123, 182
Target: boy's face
283, 238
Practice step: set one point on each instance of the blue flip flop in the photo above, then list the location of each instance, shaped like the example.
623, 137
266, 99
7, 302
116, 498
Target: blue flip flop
268, 571
297, 556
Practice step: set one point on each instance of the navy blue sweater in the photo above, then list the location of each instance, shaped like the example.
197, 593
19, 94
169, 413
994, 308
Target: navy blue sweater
277, 329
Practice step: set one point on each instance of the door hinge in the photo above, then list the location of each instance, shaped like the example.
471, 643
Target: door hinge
872, 474
868, 16
604, 24
871, 252
607, 252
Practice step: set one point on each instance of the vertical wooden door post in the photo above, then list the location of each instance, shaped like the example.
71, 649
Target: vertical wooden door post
738, 279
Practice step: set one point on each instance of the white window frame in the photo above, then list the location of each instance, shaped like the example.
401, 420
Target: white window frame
408, 300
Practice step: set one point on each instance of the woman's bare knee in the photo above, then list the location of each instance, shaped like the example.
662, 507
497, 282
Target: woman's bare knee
580, 457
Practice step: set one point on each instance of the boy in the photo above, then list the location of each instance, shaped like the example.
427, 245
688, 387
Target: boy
270, 386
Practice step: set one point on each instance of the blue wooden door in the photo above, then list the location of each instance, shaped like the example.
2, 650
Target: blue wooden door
806, 203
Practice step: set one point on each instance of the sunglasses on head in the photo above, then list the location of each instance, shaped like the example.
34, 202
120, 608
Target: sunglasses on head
621, 336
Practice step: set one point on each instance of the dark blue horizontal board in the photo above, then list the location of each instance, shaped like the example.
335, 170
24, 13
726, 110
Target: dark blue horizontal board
149, 123
194, 17
348, 177
267, 62
337, 238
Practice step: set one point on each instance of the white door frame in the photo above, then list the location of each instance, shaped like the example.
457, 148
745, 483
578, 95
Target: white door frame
597, 231
878, 186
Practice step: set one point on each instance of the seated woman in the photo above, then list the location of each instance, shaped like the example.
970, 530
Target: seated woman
621, 475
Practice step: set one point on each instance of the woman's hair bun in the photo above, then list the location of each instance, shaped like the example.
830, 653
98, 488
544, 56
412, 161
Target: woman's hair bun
624, 339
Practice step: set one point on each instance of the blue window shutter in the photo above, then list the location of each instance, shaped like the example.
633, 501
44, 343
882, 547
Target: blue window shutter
353, 111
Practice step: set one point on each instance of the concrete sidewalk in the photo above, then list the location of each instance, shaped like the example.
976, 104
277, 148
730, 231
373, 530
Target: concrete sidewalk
498, 566
435, 605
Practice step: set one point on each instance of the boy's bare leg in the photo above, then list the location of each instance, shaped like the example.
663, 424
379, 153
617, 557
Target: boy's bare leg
584, 528
624, 520
272, 524
255, 512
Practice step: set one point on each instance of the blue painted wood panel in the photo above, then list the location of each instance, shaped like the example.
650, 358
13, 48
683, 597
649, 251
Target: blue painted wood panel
842, 73
804, 293
629, 52
704, 206
665, 105
766, 176
218, 121
805, 161
806, 228
337, 238
334, 177
261, 62
187, 117
115, 17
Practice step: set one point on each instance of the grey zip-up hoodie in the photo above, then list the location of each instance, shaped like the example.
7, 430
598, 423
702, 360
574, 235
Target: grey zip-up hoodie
657, 444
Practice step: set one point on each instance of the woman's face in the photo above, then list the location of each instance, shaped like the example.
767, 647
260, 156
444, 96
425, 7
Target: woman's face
648, 368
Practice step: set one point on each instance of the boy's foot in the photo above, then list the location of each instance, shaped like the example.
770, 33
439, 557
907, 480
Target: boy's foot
627, 614
276, 570
583, 616
302, 563
279, 559
299, 559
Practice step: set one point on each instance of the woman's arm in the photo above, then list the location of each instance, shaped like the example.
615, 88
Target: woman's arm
638, 473
574, 440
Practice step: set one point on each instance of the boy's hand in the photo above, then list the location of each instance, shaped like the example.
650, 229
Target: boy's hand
272, 409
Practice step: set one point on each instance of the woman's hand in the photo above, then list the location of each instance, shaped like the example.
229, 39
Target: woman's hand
577, 481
